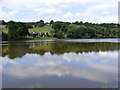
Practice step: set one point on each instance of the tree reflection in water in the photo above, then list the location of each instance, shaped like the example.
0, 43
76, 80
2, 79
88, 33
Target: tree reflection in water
65, 64
19, 49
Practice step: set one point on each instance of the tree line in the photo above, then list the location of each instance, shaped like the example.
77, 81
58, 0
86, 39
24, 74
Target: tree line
85, 30
61, 30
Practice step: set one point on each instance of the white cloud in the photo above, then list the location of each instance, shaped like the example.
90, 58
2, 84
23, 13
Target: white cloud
56, 9
67, 15
108, 19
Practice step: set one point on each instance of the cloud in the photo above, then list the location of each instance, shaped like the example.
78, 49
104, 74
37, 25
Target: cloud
80, 66
67, 15
108, 19
87, 10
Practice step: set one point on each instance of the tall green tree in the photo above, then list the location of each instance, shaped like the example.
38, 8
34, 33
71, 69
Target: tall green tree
75, 31
40, 23
51, 22
60, 26
4, 36
2, 22
16, 30
59, 35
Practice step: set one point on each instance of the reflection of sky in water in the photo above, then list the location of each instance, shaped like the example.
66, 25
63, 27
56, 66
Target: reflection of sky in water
81, 40
94, 40
0, 73
94, 66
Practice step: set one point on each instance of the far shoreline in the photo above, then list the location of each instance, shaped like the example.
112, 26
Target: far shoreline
52, 38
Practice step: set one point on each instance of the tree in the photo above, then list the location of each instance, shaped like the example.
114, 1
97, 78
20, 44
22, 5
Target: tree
59, 35
22, 29
16, 30
89, 32
75, 31
29, 25
42, 34
4, 36
100, 32
81, 23
47, 34
77, 23
57, 25
60, 26
40, 23
2, 22
51, 22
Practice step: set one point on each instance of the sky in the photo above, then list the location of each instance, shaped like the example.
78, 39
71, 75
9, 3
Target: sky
96, 11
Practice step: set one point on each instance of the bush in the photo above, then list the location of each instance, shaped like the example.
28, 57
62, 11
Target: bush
59, 35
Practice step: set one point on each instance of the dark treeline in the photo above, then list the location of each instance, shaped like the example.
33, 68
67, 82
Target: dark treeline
74, 30
85, 30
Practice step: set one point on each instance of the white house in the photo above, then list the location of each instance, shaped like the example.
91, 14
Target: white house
34, 34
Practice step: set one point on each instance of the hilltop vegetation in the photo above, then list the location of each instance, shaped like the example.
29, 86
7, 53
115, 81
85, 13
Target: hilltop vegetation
20, 30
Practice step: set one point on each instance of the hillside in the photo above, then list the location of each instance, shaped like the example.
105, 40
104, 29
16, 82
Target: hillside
35, 29
3, 28
41, 29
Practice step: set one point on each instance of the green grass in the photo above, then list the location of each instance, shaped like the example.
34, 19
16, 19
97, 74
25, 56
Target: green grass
3, 28
44, 29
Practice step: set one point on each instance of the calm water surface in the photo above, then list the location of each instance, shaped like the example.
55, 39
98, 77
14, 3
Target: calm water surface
79, 63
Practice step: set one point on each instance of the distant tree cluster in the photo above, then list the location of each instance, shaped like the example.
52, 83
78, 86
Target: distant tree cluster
74, 30
85, 30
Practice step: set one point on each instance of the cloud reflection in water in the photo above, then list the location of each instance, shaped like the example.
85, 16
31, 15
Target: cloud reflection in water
94, 66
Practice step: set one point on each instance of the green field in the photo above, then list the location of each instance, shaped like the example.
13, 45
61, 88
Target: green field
3, 28
44, 29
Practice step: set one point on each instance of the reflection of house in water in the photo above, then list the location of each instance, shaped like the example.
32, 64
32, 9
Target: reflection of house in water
34, 35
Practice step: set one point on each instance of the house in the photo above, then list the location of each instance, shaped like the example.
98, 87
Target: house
34, 35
